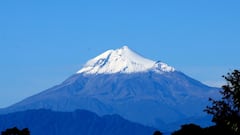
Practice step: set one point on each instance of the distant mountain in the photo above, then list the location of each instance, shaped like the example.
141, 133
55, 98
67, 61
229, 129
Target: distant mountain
79, 122
123, 82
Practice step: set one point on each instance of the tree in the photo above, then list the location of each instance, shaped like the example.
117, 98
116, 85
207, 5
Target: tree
16, 131
193, 129
216, 130
157, 133
189, 129
226, 111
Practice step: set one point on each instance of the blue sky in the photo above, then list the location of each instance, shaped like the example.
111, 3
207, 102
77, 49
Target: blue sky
44, 42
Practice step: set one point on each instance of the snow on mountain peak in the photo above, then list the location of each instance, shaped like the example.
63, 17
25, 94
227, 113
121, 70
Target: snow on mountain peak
122, 60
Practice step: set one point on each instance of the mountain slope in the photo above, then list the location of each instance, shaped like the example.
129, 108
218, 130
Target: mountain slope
79, 122
119, 82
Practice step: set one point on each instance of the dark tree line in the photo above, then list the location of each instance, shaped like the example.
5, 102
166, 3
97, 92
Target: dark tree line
16, 131
192, 129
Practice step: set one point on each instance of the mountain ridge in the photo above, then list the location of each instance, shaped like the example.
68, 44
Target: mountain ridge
49, 122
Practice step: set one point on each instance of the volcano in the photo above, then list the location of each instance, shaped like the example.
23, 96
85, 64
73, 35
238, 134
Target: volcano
123, 82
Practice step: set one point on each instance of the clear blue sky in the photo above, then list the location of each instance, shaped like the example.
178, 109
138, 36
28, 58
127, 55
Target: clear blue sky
43, 42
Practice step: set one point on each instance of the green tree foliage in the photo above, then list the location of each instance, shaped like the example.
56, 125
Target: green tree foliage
16, 131
226, 111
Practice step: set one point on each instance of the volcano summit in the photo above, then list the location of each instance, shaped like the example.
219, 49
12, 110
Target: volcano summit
122, 60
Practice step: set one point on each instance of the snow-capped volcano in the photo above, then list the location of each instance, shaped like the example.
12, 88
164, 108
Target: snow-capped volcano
122, 60
123, 82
